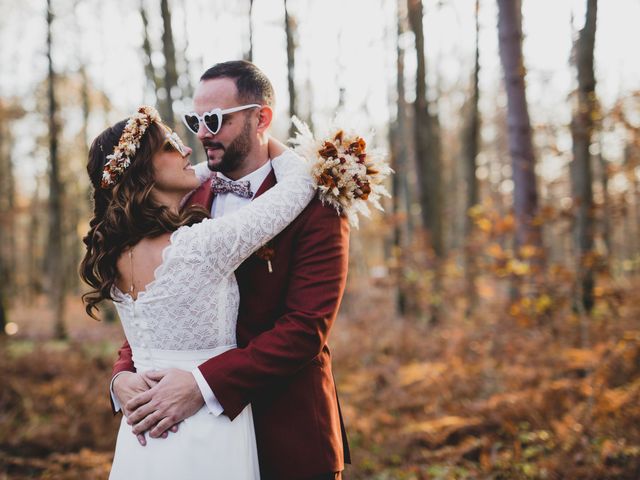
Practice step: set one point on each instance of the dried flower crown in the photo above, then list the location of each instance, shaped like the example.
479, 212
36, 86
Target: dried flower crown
128, 145
349, 177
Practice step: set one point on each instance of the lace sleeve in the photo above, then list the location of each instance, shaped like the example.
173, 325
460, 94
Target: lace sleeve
231, 239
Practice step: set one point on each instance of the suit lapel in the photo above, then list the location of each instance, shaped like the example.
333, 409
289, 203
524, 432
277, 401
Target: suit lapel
269, 182
203, 195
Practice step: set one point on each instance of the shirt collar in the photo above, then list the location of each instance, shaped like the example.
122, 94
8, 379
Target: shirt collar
255, 178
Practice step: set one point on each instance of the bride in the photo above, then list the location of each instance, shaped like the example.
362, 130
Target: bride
170, 273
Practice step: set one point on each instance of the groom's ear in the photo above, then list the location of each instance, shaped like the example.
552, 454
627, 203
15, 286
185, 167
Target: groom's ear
265, 115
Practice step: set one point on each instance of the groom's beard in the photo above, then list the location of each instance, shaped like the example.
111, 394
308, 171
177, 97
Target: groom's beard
234, 155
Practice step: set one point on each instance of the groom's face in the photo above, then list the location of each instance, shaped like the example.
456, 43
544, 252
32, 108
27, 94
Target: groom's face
228, 149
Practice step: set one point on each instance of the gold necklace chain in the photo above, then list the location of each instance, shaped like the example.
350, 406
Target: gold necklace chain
131, 288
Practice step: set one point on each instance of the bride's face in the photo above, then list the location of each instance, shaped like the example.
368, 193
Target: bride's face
172, 171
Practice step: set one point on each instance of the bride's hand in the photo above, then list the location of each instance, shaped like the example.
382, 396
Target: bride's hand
276, 148
127, 385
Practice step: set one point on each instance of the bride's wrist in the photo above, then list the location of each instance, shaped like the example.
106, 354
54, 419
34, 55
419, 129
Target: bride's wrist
118, 380
287, 164
275, 148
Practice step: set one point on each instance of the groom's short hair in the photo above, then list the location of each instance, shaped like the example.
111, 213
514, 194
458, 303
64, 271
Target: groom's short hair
252, 84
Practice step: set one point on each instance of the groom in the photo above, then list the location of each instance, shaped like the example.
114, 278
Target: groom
290, 291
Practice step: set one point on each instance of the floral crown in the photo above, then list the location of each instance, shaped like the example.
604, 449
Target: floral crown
128, 145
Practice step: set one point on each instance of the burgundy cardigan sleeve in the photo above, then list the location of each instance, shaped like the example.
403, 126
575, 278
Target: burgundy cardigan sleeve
318, 278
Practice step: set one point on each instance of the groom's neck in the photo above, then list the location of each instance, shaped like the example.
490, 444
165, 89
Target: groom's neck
255, 159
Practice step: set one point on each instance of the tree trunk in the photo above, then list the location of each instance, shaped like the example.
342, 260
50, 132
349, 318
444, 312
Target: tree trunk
197, 154
428, 161
397, 141
4, 319
76, 209
7, 238
33, 255
55, 253
581, 170
290, 30
631, 164
249, 55
427, 141
150, 71
308, 89
170, 72
470, 147
603, 165
520, 136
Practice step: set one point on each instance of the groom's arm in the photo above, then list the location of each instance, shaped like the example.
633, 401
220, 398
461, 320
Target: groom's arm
124, 363
125, 360
318, 278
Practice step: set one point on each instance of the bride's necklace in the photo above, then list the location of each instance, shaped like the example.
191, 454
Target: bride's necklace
131, 288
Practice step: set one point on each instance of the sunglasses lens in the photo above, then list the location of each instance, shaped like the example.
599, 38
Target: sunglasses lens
192, 122
177, 143
212, 122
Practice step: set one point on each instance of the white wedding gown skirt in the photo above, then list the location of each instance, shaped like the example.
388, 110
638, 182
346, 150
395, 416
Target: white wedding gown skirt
204, 447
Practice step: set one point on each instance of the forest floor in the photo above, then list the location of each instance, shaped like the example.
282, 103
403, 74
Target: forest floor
482, 398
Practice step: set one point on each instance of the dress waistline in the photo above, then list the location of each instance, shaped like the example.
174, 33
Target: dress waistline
146, 359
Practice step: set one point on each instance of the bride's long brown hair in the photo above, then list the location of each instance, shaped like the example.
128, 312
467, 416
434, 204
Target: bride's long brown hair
125, 213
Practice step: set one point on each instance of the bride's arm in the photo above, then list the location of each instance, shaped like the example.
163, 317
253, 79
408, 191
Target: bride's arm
233, 238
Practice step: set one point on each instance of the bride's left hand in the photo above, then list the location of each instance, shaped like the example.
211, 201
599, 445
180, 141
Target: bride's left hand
276, 148
176, 396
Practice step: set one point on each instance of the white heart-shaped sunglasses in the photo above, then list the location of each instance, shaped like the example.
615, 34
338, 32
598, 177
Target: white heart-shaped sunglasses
212, 120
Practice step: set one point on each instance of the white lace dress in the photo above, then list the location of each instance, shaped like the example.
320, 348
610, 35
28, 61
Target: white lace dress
188, 315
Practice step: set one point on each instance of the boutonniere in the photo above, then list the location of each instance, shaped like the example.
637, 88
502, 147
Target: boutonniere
267, 252
349, 176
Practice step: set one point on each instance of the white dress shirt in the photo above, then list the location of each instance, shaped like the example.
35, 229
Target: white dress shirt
223, 204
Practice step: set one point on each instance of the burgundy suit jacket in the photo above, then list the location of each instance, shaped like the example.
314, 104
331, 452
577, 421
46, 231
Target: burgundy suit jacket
282, 365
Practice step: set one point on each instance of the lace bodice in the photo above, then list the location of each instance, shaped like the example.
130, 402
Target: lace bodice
192, 304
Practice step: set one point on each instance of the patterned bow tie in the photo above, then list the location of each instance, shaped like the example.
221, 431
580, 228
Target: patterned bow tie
241, 188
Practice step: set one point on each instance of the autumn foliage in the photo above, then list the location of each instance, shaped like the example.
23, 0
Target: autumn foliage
490, 328
493, 396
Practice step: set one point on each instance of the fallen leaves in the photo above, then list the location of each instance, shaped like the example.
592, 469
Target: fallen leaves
490, 398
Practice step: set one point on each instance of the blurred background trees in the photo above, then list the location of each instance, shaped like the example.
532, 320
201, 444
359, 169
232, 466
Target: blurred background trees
513, 129
469, 196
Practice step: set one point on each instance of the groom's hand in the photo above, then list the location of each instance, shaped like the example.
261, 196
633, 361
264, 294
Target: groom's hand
176, 396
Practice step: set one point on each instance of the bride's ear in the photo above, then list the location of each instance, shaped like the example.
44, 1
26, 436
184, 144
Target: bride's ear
265, 115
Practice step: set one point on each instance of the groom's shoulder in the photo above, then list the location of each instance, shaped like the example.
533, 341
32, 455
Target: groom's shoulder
318, 215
